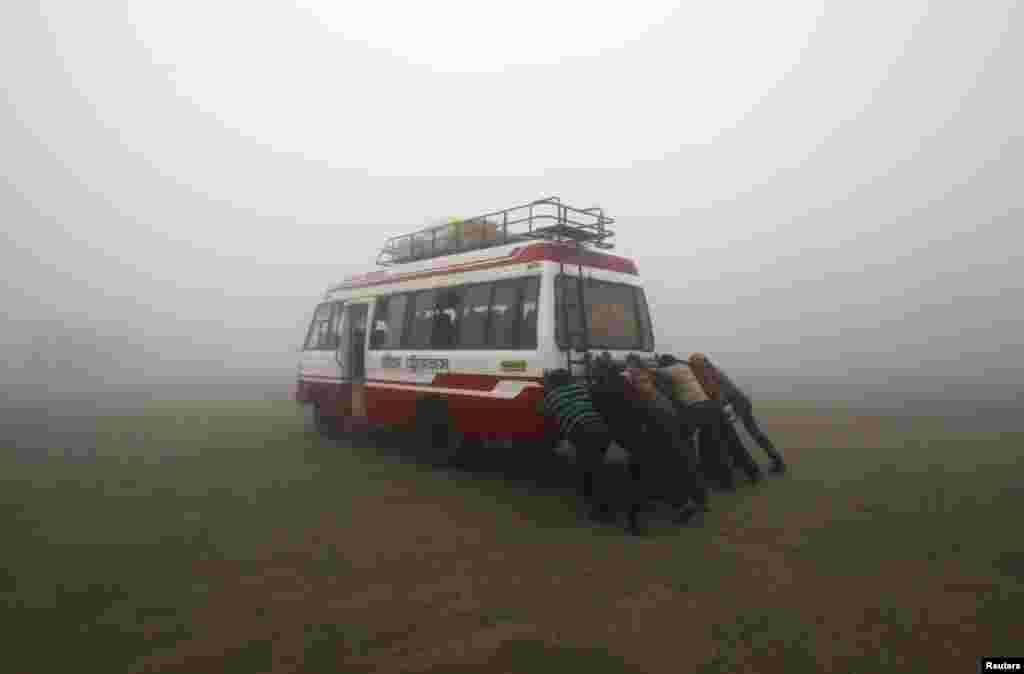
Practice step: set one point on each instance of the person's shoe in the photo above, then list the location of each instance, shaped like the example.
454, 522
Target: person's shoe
686, 514
602, 515
635, 525
755, 475
647, 507
778, 466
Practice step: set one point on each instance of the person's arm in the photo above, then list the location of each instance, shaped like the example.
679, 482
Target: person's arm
727, 386
544, 406
663, 383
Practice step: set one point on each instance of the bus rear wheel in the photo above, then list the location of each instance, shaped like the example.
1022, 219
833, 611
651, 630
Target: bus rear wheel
435, 438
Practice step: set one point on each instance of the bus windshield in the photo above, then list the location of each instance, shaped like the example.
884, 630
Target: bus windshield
617, 316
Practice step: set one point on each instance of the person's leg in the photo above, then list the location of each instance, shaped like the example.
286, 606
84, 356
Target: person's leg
640, 473
745, 411
641, 488
629, 496
687, 431
643, 459
678, 482
611, 487
693, 480
645, 452
714, 441
615, 490
715, 460
682, 481
740, 454
695, 419
651, 471
626, 431
588, 459
588, 491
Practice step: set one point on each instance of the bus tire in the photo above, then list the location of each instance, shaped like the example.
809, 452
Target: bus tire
315, 421
435, 437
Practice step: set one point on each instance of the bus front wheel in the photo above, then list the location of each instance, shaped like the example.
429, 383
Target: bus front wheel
314, 420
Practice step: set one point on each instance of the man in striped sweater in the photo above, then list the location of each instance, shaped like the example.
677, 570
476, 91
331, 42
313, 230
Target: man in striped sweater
570, 405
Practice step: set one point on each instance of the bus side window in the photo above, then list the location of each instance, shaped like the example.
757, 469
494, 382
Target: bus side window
505, 315
388, 322
379, 329
476, 302
421, 323
531, 294
445, 331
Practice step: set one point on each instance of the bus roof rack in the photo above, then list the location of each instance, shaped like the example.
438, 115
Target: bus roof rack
545, 219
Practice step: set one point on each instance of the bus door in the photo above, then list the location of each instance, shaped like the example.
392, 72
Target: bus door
351, 354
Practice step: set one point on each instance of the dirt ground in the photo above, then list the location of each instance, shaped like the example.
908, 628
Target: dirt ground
424, 584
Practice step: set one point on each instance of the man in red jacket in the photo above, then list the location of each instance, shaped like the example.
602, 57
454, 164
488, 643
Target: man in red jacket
725, 390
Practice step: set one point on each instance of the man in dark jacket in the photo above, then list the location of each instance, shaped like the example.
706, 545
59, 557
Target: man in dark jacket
571, 406
731, 395
646, 426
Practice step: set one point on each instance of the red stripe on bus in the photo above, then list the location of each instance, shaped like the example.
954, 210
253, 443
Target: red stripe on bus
483, 382
570, 255
363, 282
469, 382
536, 253
515, 419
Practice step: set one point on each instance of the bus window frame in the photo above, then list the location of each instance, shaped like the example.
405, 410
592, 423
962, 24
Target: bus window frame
521, 283
645, 332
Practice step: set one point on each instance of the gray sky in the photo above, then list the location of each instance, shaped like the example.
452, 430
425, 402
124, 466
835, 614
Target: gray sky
817, 193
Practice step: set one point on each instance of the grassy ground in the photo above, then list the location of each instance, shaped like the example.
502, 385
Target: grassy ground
222, 538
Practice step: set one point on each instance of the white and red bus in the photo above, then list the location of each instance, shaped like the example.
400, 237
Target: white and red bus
457, 329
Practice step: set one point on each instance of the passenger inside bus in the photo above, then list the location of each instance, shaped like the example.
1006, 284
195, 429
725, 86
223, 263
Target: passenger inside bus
445, 330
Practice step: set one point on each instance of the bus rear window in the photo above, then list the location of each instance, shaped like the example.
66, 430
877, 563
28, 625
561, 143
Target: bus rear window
617, 317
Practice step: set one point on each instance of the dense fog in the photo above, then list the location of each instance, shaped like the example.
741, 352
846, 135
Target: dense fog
826, 198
